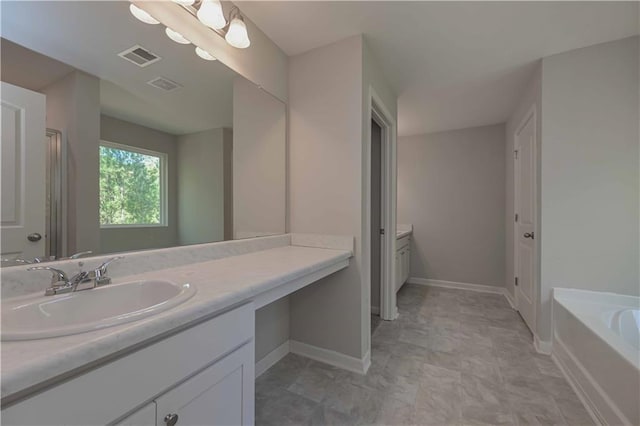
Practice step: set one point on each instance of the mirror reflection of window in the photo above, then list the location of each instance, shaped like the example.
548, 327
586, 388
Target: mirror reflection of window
132, 186
171, 152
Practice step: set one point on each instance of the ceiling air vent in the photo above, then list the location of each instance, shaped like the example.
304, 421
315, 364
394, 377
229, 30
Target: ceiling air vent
164, 84
139, 56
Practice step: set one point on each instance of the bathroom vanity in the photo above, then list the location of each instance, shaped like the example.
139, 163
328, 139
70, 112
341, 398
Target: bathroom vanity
403, 254
191, 364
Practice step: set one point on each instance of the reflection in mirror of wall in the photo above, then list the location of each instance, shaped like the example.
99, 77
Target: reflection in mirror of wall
125, 140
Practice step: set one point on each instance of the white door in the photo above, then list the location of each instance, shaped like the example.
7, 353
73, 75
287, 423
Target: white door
223, 394
525, 229
23, 150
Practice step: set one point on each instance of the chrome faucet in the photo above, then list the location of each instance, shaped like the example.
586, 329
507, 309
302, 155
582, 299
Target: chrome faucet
61, 283
100, 273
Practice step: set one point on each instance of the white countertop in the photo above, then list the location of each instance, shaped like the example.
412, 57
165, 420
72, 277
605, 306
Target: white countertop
403, 230
220, 284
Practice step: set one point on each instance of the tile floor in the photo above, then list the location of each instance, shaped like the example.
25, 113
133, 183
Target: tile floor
452, 358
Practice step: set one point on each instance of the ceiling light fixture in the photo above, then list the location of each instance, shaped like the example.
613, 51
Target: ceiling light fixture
176, 36
142, 15
204, 54
210, 14
237, 33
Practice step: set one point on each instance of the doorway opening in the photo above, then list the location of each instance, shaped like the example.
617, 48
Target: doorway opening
377, 227
379, 219
55, 246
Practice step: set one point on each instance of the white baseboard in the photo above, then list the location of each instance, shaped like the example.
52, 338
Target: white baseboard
330, 357
509, 298
599, 406
272, 358
375, 310
542, 346
457, 285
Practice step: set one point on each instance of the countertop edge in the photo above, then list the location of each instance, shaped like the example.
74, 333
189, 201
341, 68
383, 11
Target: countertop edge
133, 335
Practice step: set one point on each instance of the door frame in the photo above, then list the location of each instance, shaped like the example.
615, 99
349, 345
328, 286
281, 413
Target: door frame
376, 110
56, 218
531, 115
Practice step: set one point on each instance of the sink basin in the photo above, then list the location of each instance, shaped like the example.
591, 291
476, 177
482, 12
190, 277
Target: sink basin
40, 317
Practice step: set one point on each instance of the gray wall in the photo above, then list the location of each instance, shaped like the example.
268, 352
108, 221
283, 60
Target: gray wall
590, 172
139, 238
73, 107
259, 161
451, 187
201, 186
327, 127
325, 136
272, 327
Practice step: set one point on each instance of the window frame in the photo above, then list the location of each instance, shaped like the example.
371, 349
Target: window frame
164, 183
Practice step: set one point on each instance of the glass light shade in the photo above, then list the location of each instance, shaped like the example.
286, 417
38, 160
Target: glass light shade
204, 54
210, 14
185, 2
142, 15
237, 34
176, 36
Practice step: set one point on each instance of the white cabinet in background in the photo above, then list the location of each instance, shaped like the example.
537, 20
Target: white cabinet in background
403, 260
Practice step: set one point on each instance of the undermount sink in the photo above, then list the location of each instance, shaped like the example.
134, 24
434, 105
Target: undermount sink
40, 317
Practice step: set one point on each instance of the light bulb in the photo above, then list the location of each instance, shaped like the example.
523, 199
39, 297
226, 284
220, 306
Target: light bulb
142, 15
237, 34
185, 2
210, 14
204, 54
176, 36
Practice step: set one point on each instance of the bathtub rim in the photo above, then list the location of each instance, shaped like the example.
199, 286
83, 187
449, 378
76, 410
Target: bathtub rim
568, 298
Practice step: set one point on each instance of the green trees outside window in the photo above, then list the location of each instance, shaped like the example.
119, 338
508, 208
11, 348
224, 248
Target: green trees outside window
130, 187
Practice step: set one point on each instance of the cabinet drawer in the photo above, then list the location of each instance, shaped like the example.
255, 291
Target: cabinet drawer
146, 416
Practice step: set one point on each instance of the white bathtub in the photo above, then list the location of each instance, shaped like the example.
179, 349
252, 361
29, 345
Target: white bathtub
596, 342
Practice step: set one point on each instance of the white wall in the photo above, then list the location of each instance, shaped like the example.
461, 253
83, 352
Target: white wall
201, 185
132, 238
73, 107
590, 172
451, 188
259, 161
326, 137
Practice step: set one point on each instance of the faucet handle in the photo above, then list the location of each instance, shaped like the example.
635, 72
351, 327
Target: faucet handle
58, 277
101, 271
80, 254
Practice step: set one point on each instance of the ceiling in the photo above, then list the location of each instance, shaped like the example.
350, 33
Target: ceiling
453, 64
88, 35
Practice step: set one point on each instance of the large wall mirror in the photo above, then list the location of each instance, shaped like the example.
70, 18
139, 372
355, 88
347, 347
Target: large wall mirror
116, 138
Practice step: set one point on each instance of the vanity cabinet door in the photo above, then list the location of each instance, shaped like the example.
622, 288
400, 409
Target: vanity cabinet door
222, 394
398, 271
146, 416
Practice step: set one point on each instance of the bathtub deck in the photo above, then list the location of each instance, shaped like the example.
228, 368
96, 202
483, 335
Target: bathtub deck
453, 357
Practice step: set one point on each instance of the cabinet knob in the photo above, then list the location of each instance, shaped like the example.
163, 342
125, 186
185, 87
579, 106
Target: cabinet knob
171, 419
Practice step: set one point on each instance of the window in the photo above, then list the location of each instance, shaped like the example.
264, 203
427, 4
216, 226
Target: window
132, 186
